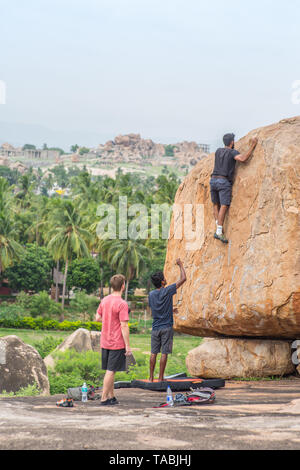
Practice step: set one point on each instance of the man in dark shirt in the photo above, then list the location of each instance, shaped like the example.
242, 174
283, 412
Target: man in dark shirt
222, 179
161, 304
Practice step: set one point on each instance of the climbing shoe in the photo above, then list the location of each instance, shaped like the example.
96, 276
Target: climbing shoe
65, 403
221, 238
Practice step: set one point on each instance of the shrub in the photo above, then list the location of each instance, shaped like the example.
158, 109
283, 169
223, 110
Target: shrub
39, 323
10, 314
73, 368
29, 391
39, 304
47, 345
83, 303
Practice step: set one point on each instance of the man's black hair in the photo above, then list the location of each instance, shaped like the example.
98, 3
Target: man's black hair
227, 139
157, 279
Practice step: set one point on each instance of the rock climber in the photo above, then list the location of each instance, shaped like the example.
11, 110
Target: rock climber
222, 179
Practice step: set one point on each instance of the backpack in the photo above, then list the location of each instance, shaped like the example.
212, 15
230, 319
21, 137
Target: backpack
76, 393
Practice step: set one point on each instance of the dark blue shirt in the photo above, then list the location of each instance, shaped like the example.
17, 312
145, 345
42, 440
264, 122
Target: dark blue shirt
161, 304
225, 163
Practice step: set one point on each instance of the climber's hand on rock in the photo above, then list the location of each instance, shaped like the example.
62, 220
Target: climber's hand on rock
253, 142
179, 262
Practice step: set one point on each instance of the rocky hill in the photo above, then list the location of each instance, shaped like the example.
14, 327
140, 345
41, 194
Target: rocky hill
132, 148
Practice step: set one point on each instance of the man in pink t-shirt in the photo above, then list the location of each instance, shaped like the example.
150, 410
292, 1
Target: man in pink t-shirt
114, 314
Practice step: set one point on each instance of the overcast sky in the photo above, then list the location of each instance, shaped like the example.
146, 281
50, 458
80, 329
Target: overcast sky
84, 71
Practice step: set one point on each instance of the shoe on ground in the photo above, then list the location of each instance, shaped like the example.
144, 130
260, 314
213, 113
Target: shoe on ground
107, 402
65, 403
222, 238
114, 401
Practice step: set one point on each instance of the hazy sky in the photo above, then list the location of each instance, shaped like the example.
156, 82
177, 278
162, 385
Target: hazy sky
86, 70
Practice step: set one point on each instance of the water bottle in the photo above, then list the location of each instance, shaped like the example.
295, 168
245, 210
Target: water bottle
170, 401
84, 392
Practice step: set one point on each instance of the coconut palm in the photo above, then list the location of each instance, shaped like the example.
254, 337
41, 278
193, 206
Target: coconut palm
126, 256
10, 249
66, 237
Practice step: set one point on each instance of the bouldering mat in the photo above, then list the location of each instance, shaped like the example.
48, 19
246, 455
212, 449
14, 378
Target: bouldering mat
176, 384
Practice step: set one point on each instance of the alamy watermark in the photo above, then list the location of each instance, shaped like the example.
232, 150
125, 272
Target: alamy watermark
2, 92
295, 98
139, 222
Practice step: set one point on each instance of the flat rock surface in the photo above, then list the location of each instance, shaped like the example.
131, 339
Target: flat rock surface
245, 415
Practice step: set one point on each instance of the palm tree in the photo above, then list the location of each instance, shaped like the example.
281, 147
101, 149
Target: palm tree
10, 249
67, 238
126, 256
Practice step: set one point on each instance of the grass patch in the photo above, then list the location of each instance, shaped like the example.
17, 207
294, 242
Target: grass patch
31, 337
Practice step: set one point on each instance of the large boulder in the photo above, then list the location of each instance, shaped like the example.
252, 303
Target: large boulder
229, 358
80, 340
21, 366
250, 287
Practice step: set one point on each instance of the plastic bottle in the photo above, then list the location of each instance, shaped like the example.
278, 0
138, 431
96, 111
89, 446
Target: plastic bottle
84, 392
170, 401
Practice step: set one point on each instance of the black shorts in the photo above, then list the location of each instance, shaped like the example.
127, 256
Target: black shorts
113, 360
162, 340
221, 191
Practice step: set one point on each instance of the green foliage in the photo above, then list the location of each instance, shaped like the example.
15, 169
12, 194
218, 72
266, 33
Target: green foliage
60, 383
74, 148
169, 150
33, 272
47, 345
58, 149
84, 274
83, 150
38, 304
29, 147
73, 368
83, 303
18, 321
10, 314
10, 175
29, 391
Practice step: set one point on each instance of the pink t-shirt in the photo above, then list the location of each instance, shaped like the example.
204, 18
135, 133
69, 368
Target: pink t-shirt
113, 310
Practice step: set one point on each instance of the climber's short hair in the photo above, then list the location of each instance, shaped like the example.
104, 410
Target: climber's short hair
228, 138
157, 279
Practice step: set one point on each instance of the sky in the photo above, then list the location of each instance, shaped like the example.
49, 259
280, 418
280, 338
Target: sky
84, 71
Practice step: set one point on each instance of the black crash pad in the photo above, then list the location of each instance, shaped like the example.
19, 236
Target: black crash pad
177, 384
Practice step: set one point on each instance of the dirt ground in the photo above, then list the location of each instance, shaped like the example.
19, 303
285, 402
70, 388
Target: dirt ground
245, 415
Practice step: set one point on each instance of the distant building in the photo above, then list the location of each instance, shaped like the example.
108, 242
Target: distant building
7, 151
205, 148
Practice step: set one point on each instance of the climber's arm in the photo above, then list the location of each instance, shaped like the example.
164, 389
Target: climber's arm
243, 157
182, 279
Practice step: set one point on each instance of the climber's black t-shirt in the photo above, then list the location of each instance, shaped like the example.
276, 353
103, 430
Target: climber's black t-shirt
225, 163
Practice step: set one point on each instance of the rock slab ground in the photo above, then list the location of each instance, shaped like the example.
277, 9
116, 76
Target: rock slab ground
246, 415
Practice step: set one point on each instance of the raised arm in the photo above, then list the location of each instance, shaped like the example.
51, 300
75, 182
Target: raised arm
243, 157
182, 279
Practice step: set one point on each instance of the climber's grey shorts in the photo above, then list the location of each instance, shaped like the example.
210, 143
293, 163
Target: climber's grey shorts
162, 340
220, 191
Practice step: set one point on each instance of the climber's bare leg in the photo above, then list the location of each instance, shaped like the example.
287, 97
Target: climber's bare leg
221, 216
216, 211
